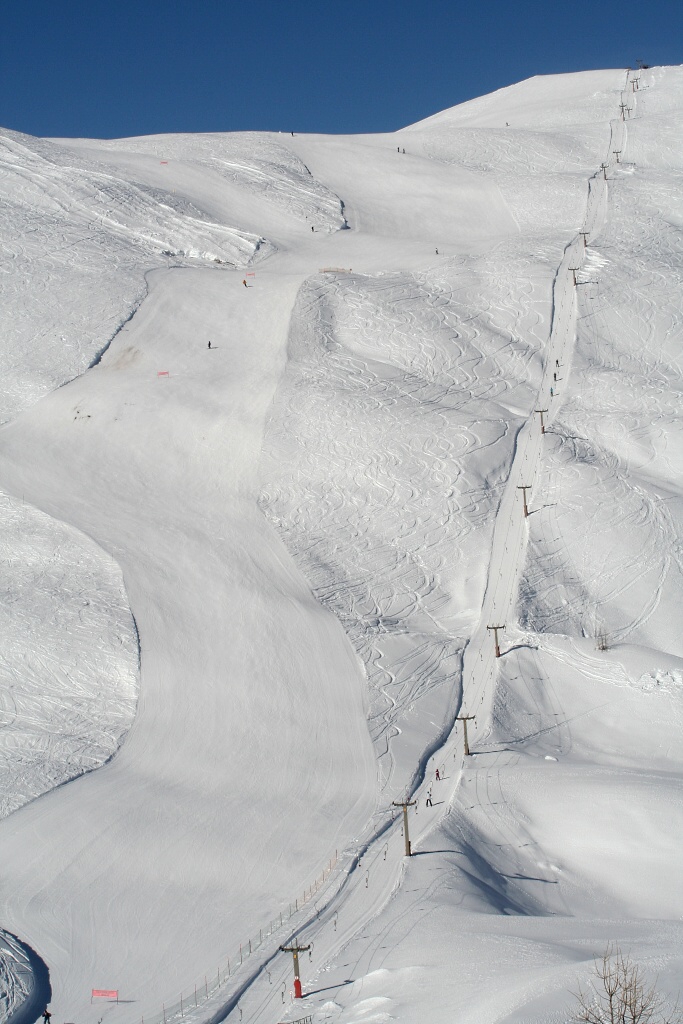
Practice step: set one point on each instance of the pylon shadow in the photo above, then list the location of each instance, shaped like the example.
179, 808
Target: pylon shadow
425, 853
328, 988
519, 647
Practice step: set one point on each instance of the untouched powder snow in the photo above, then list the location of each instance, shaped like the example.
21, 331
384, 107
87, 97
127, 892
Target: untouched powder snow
314, 522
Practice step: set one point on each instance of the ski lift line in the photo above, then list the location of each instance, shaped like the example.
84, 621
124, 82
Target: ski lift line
563, 324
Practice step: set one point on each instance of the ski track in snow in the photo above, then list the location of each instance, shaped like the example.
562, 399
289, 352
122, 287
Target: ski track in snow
401, 431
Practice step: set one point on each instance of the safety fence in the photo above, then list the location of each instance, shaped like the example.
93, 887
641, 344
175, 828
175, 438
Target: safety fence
210, 985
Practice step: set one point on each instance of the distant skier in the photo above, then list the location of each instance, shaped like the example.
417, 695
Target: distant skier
46, 1016
437, 775
209, 344
551, 393
555, 377
436, 251
404, 150
312, 228
245, 283
428, 801
398, 149
557, 362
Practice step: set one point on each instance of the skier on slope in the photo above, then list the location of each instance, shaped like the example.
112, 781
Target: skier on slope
245, 283
46, 1016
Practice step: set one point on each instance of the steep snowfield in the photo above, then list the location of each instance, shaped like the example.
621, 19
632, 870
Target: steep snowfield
315, 522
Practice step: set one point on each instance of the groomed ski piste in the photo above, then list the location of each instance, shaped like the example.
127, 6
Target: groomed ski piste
249, 587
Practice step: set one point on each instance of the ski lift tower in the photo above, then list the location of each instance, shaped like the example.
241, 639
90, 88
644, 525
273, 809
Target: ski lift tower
295, 950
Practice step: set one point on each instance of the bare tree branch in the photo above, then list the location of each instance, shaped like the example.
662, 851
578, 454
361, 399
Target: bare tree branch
619, 994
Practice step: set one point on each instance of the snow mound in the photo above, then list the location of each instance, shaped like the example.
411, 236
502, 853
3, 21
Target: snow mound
257, 163
661, 681
24, 986
69, 658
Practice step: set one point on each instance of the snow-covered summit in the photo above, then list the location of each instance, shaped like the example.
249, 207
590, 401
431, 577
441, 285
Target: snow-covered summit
544, 101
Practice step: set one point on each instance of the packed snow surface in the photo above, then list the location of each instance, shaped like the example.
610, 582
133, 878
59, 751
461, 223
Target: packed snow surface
271, 411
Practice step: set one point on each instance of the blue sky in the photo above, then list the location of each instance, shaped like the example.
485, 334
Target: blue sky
134, 67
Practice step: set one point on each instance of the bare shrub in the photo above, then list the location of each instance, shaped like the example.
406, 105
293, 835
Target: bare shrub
619, 994
602, 642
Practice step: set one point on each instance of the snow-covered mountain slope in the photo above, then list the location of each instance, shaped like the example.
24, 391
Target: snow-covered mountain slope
316, 519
